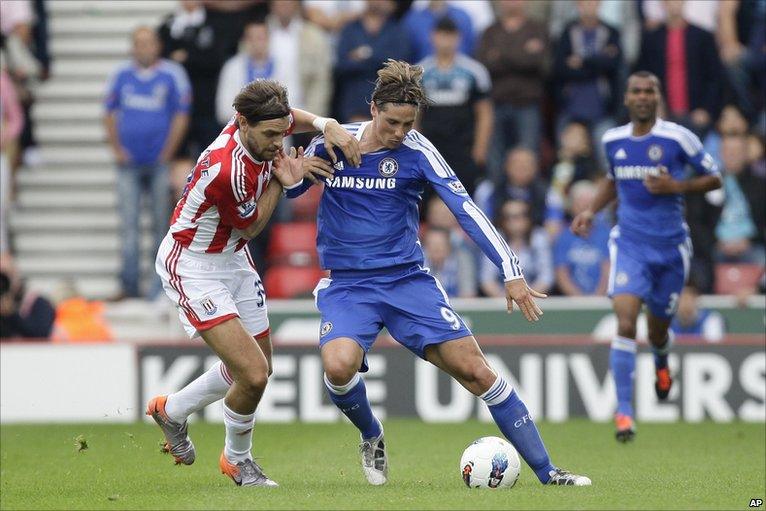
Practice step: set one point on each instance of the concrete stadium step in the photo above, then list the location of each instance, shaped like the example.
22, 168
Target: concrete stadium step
79, 111
144, 320
58, 178
114, 46
78, 222
86, 133
67, 199
85, 155
53, 265
108, 242
75, 69
93, 287
89, 24
110, 7
55, 91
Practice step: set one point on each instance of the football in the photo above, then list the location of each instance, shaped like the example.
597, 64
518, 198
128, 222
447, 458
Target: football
490, 462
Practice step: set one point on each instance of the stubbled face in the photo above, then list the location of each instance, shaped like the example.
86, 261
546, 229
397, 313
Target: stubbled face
642, 98
146, 47
264, 139
392, 122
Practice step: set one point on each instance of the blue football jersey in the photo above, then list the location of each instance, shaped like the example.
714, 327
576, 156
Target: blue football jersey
668, 147
368, 216
146, 101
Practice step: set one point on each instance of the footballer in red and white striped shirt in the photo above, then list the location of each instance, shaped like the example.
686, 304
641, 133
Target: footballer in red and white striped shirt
208, 273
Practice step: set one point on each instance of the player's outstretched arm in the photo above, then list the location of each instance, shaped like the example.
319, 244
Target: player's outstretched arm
606, 192
334, 135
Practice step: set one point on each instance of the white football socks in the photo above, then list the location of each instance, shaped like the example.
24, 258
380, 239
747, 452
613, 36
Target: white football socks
208, 388
239, 435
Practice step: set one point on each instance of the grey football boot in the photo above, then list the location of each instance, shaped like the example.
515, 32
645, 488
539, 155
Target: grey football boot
177, 441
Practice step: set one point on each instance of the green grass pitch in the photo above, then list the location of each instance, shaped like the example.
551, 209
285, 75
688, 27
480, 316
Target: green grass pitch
673, 466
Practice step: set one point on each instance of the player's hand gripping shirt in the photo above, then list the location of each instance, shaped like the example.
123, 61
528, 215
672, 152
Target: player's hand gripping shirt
221, 195
668, 147
368, 216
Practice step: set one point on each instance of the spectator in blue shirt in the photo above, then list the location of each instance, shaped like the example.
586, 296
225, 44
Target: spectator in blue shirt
363, 46
147, 113
420, 23
695, 321
582, 264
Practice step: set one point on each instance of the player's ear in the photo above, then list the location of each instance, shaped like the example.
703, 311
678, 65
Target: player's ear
373, 109
242, 123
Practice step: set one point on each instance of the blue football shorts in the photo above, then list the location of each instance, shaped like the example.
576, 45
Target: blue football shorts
406, 299
656, 273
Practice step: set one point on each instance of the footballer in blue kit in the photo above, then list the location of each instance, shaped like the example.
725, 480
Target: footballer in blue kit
649, 248
368, 239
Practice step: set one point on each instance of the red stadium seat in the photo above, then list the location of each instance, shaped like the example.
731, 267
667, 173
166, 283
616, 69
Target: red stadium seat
293, 244
291, 281
730, 279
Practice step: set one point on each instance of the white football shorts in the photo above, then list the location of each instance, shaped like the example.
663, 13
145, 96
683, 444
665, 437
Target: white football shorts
209, 289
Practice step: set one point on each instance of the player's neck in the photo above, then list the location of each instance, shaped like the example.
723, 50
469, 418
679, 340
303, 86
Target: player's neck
369, 142
641, 128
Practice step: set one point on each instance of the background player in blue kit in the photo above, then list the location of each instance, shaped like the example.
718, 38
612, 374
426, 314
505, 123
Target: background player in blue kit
649, 247
368, 238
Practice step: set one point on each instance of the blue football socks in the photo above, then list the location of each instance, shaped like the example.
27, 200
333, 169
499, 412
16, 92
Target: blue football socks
513, 419
351, 399
622, 360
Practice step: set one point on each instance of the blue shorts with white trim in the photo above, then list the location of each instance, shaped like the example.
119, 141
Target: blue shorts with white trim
406, 299
656, 273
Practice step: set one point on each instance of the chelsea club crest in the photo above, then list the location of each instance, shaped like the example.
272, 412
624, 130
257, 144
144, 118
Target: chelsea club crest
655, 152
388, 167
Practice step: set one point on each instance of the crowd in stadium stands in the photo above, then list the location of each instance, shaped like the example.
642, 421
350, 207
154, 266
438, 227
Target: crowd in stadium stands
521, 93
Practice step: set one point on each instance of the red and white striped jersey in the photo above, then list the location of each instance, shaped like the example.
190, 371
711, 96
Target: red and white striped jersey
221, 196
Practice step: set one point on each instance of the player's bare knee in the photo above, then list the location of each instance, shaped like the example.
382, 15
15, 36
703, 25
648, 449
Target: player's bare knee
254, 382
339, 372
477, 377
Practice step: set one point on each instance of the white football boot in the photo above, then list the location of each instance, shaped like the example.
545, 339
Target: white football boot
374, 460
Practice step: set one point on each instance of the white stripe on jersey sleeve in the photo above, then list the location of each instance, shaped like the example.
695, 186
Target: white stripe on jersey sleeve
688, 141
233, 174
312, 148
510, 262
617, 133
414, 140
